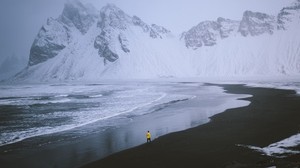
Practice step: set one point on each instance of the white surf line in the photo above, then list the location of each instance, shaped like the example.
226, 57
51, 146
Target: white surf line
279, 149
278, 85
62, 128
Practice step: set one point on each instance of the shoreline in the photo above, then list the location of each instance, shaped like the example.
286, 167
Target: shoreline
86, 144
273, 115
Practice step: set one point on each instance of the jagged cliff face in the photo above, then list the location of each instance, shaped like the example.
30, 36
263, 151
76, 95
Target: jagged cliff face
288, 15
228, 27
57, 33
113, 24
256, 23
52, 38
79, 16
208, 32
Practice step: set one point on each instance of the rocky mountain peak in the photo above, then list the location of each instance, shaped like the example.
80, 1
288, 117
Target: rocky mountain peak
256, 23
51, 39
287, 15
206, 33
56, 34
78, 15
114, 17
111, 8
113, 25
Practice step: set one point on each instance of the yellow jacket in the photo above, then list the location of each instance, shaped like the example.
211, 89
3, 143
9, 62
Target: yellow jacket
148, 135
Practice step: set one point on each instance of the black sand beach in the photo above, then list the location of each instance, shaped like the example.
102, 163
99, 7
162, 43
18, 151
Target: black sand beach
273, 115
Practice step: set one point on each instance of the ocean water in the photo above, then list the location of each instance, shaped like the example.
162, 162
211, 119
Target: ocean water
113, 115
29, 111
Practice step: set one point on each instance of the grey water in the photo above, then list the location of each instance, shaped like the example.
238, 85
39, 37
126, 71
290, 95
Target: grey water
68, 125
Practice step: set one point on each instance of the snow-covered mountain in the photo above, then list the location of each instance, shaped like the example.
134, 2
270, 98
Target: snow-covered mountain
58, 33
207, 33
263, 45
86, 44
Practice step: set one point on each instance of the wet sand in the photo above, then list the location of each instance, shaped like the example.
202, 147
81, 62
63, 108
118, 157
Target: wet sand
273, 115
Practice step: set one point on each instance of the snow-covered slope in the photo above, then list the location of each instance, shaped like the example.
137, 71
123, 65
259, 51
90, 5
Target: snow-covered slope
261, 49
85, 44
265, 55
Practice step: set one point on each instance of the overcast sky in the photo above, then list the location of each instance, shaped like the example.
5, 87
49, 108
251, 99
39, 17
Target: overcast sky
21, 19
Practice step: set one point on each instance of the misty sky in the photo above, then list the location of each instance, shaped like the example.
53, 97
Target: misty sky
22, 19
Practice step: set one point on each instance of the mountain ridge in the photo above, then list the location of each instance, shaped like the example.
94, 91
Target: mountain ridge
82, 44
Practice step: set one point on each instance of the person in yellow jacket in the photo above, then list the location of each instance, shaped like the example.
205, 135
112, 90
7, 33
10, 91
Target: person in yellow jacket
148, 136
